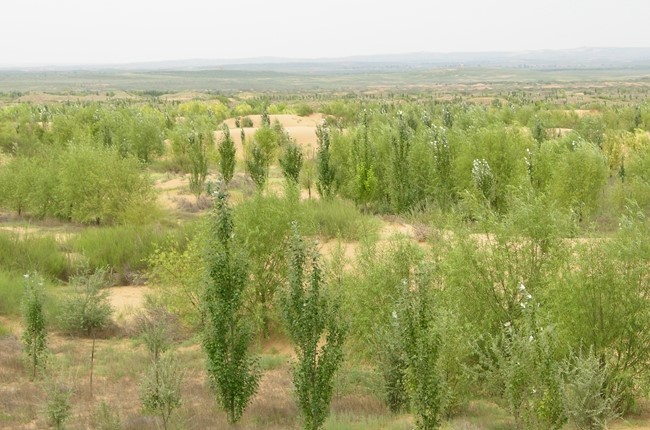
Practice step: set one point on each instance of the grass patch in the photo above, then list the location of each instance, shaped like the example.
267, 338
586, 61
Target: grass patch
33, 254
352, 422
272, 361
11, 293
335, 218
124, 249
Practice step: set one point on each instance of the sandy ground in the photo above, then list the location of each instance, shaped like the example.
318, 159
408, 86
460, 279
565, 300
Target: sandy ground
302, 129
127, 301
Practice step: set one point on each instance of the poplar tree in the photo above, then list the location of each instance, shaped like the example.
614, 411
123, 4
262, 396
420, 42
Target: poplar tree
314, 325
227, 155
35, 334
234, 373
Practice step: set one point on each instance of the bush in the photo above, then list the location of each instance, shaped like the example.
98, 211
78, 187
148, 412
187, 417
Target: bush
587, 401
58, 406
107, 418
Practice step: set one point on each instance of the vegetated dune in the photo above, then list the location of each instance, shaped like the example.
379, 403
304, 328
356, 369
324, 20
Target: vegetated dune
302, 129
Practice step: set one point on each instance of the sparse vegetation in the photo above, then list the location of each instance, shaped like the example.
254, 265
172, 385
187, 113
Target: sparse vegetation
481, 249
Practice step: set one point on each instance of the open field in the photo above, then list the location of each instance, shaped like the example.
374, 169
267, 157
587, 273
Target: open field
229, 81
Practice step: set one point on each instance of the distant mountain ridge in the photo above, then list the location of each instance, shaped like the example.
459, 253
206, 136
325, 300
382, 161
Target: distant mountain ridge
587, 58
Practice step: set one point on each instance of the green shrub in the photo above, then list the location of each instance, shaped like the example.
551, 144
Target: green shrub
107, 418
588, 403
58, 407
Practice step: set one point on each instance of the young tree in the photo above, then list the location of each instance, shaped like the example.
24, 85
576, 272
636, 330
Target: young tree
160, 390
198, 156
233, 371
314, 325
257, 166
265, 118
35, 334
291, 162
89, 310
422, 345
227, 155
400, 183
326, 172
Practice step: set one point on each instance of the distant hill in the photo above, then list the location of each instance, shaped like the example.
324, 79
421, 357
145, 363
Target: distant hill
580, 58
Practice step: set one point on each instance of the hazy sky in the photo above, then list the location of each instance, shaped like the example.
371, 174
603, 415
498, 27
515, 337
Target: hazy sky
117, 31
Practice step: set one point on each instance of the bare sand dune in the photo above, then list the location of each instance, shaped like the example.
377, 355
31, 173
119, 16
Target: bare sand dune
127, 301
287, 120
301, 129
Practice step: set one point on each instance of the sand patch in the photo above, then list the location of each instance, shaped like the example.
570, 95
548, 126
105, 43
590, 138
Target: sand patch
127, 301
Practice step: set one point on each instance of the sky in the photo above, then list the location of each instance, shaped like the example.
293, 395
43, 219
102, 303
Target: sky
66, 32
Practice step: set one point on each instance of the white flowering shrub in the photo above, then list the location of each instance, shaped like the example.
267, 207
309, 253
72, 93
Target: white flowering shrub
484, 180
520, 367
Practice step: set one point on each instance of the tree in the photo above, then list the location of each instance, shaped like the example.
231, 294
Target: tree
160, 390
198, 156
233, 371
314, 325
35, 334
265, 119
326, 172
401, 188
89, 310
227, 155
422, 345
257, 166
291, 162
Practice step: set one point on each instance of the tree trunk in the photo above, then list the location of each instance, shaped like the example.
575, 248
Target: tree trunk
92, 362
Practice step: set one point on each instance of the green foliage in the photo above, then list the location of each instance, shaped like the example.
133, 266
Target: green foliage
58, 408
334, 218
35, 334
392, 365
601, 305
89, 309
422, 344
326, 172
125, 249
227, 336
106, 417
314, 325
579, 179
197, 151
257, 165
521, 367
226, 155
155, 327
33, 253
174, 268
303, 109
160, 389
291, 162
264, 224
401, 193
10, 293
587, 400
99, 186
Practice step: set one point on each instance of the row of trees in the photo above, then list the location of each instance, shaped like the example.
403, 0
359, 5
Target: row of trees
81, 183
